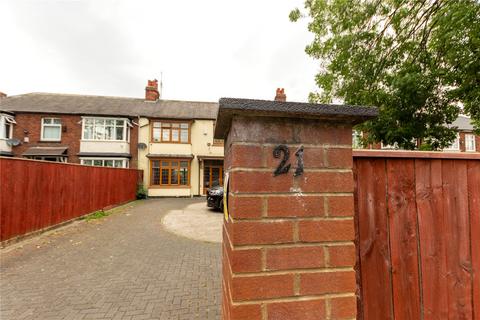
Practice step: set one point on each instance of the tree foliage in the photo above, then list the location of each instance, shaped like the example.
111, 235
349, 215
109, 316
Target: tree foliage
417, 60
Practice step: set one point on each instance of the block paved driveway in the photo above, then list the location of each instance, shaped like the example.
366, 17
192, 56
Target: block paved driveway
124, 266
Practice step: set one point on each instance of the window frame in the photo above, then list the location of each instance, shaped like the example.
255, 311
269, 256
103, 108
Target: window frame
152, 127
42, 138
125, 161
6, 120
474, 142
169, 185
456, 142
126, 129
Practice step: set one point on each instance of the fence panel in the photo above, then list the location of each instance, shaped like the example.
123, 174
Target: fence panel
36, 194
418, 233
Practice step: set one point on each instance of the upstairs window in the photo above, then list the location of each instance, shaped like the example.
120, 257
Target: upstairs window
105, 129
6, 126
51, 129
470, 143
171, 132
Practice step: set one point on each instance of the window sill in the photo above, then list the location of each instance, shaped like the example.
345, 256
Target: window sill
119, 141
168, 187
49, 141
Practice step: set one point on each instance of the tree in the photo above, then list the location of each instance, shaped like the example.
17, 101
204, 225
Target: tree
417, 60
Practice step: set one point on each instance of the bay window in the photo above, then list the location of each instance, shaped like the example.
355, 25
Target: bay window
105, 129
51, 129
172, 132
169, 172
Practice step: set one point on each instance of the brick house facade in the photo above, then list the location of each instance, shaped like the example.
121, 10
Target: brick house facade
29, 129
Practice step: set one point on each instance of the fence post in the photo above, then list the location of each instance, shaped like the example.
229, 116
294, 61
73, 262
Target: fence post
288, 250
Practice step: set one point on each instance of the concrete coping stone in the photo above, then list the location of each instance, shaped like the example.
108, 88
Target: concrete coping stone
230, 107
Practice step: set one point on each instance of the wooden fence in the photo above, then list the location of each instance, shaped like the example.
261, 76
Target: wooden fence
418, 230
36, 194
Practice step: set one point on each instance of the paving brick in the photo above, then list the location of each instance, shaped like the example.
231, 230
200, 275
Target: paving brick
125, 266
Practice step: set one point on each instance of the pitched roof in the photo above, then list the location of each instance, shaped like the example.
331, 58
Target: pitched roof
109, 106
463, 123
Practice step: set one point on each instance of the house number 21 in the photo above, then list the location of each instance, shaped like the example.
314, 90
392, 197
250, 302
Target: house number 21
283, 167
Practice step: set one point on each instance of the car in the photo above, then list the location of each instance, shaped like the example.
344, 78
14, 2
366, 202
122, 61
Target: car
215, 197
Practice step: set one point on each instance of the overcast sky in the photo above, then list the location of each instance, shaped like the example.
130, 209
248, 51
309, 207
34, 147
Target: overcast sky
205, 49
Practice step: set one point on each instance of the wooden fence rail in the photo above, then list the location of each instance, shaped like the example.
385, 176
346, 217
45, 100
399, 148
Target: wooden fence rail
36, 194
418, 230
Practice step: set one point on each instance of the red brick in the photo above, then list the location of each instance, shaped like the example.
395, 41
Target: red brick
311, 132
326, 230
295, 258
262, 130
247, 156
343, 308
327, 282
296, 206
250, 232
246, 260
245, 207
339, 158
298, 310
260, 182
342, 256
326, 182
340, 206
314, 158
262, 287
246, 312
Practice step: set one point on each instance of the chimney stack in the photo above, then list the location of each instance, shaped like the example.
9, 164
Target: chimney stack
2, 95
151, 90
281, 96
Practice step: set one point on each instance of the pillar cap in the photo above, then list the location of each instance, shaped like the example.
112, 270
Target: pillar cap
230, 107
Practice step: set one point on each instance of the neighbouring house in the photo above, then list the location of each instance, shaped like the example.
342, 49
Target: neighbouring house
466, 141
177, 151
90, 130
171, 141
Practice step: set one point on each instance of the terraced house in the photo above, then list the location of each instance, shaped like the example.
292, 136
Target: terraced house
171, 141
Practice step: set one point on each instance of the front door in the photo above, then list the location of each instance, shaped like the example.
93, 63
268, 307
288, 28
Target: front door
212, 175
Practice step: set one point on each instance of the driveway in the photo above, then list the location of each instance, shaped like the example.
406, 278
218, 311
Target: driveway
124, 266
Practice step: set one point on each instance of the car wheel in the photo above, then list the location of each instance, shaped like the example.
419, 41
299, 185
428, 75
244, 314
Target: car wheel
221, 205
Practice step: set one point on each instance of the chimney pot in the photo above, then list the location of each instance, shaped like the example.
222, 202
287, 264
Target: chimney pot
280, 95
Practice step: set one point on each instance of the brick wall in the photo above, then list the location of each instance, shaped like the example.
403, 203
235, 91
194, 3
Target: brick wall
288, 250
71, 135
32, 123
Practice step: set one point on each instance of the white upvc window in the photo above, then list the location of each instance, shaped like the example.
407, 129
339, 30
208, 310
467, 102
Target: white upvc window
357, 139
455, 146
389, 146
51, 129
105, 162
105, 129
470, 143
6, 126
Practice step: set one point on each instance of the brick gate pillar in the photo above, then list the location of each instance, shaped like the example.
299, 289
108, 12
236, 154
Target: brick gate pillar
288, 241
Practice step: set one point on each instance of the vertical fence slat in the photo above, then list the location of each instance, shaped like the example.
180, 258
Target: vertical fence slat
473, 175
374, 253
457, 238
37, 194
403, 238
429, 195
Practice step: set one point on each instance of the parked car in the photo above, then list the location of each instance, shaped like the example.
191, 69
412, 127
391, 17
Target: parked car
215, 197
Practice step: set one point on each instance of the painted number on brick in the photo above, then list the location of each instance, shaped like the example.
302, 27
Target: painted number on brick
283, 167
